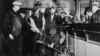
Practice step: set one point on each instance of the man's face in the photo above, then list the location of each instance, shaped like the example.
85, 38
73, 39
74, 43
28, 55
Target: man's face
17, 8
94, 8
52, 11
37, 13
62, 14
42, 10
38, 7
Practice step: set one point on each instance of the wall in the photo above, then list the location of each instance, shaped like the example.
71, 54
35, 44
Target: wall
83, 48
27, 3
70, 5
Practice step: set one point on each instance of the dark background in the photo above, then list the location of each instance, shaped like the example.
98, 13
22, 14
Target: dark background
5, 5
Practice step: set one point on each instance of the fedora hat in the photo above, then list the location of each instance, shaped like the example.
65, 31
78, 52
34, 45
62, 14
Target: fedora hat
95, 3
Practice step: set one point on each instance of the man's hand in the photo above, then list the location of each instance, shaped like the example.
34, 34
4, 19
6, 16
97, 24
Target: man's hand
40, 32
11, 37
40, 41
51, 45
62, 40
62, 37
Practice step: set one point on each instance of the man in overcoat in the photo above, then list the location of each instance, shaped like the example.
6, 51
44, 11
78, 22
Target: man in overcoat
12, 27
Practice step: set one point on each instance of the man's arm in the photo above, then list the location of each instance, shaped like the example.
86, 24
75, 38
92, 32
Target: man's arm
43, 22
33, 26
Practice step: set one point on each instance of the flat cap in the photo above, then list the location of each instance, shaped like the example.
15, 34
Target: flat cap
53, 31
17, 3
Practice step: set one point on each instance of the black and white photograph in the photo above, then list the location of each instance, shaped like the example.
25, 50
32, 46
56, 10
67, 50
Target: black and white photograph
49, 27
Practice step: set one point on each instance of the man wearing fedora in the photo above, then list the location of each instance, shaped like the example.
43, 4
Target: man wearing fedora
95, 14
12, 31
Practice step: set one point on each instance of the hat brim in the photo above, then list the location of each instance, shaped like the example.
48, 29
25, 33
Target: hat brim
17, 3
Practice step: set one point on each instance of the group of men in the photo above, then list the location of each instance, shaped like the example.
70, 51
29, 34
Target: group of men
25, 28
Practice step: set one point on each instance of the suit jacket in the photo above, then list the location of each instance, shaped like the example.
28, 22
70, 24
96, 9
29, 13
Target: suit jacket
59, 21
95, 17
50, 24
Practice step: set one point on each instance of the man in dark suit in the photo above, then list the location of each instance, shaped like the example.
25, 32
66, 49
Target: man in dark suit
50, 20
37, 23
52, 35
95, 14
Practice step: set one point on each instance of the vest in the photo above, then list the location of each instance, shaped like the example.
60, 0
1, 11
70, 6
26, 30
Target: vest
50, 24
38, 20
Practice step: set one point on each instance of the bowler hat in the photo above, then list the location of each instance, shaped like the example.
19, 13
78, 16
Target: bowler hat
95, 3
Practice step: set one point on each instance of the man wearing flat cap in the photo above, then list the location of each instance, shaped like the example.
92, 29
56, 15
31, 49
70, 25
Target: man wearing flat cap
12, 31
